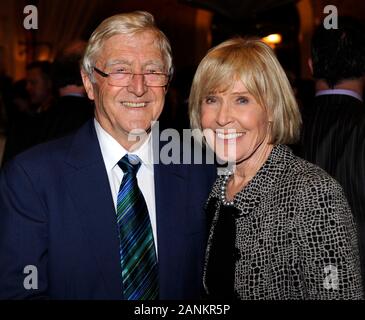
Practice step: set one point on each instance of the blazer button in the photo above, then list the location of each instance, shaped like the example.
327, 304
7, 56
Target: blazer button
237, 254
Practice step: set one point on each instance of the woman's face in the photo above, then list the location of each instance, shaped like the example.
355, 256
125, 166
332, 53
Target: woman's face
234, 123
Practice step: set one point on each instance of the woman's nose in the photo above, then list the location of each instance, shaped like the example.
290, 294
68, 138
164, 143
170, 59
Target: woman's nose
223, 115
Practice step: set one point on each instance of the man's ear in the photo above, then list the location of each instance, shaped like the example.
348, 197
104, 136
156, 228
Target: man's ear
310, 65
88, 85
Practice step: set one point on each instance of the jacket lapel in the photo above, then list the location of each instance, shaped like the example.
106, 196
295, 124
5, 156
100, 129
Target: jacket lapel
89, 187
170, 195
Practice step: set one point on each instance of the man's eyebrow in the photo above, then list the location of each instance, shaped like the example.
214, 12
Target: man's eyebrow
157, 63
114, 62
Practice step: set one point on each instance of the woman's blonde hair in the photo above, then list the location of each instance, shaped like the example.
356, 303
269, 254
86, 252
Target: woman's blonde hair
129, 24
255, 64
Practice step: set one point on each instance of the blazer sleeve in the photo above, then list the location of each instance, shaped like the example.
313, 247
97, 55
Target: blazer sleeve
23, 236
328, 244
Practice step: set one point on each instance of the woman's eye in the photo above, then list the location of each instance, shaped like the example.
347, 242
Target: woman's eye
242, 100
209, 100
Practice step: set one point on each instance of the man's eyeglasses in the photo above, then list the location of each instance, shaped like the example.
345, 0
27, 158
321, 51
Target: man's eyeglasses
123, 79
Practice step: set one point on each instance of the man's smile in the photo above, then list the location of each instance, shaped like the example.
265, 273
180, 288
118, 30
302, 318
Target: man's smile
130, 104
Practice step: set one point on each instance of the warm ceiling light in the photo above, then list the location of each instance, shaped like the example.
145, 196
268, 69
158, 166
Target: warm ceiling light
272, 39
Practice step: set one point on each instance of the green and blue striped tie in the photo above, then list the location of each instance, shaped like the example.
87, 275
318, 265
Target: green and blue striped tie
137, 248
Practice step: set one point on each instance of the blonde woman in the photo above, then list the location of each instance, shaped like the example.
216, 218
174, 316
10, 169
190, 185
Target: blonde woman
281, 227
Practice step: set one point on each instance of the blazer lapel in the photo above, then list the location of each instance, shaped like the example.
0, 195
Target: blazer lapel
89, 187
170, 196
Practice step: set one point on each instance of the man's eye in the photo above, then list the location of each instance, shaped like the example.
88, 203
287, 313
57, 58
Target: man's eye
152, 71
119, 70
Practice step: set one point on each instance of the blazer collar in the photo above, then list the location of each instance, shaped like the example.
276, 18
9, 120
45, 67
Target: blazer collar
84, 150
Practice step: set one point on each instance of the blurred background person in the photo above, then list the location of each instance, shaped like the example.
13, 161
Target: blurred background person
39, 85
280, 224
333, 134
5, 94
72, 108
17, 106
2, 115
5, 97
20, 99
27, 126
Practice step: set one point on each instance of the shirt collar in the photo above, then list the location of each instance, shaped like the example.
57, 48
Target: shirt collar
339, 91
112, 151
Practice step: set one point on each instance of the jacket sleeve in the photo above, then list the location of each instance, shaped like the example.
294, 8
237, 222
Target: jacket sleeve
328, 244
23, 236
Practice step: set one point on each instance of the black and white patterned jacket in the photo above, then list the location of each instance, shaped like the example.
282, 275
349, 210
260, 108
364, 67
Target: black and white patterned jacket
289, 235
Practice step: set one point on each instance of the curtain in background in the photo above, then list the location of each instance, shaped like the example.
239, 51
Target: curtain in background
62, 22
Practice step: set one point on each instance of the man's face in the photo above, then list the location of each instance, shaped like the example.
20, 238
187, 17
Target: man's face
122, 110
38, 87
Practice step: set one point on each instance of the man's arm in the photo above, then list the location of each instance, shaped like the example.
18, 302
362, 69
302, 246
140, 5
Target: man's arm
23, 236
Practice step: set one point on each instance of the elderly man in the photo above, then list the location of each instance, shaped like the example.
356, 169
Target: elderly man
88, 216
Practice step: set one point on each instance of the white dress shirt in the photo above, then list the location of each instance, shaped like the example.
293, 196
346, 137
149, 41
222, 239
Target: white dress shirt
112, 152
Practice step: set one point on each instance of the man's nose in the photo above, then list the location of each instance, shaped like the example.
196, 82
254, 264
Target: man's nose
137, 85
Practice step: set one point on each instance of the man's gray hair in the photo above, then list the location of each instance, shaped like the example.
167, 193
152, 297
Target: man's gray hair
125, 23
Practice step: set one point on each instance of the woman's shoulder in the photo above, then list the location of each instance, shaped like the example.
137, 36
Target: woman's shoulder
306, 169
316, 194
311, 178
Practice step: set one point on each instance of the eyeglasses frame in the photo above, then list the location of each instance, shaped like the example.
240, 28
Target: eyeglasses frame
106, 75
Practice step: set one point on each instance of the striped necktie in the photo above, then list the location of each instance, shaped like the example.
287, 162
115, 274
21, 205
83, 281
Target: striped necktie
137, 248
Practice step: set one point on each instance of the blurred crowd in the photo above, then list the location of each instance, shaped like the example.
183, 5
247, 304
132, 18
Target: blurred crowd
48, 103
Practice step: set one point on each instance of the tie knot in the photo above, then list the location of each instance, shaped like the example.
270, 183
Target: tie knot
130, 163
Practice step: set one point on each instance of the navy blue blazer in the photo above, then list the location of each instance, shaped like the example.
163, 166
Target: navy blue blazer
57, 213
